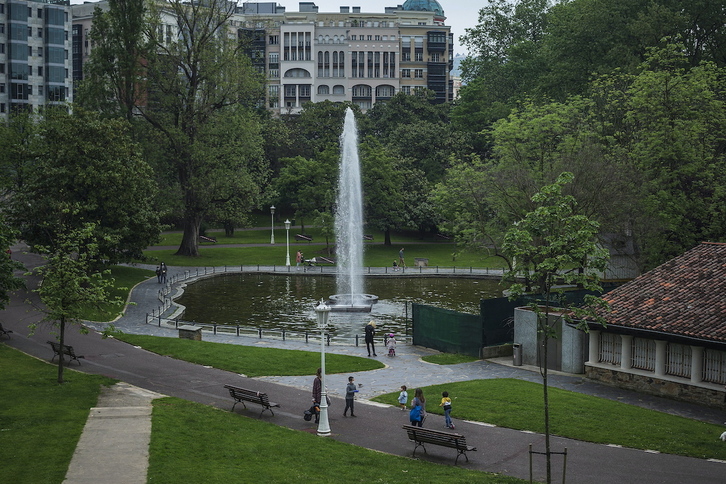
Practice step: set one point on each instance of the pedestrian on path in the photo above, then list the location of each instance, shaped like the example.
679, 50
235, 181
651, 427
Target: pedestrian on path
418, 402
163, 273
298, 259
350, 391
446, 404
370, 332
401, 261
158, 274
403, 397
317, 393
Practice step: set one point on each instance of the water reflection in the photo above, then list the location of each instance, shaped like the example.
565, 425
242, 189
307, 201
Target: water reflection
286, 302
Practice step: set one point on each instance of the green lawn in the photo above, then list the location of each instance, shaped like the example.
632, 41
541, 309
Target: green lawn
517, 404
250, 360
125, 278
41, 421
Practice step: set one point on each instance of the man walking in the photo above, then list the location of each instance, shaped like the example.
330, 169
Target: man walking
350, 392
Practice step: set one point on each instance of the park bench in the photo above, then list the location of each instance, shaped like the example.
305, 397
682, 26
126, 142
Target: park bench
4, 331
67, 350
242, 395
320, 260
367, 237
306, 238
204, 238
421, 436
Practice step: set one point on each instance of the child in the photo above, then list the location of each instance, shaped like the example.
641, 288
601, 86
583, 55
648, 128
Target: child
403, 397
446, 403
395, 266
391, 345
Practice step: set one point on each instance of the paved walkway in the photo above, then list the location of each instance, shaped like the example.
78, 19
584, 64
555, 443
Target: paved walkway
499, 450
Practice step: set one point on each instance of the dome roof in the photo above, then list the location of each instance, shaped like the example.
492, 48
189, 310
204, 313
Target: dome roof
426, 5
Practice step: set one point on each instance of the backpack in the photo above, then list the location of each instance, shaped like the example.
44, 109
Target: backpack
415, 414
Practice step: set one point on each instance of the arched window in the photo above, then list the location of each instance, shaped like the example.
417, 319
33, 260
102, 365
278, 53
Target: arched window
339, 90
323, 90
297, 72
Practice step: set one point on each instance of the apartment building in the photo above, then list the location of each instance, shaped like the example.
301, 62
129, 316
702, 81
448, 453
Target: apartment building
35, 54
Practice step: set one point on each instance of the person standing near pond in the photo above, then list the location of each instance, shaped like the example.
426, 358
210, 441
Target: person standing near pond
350, 391
370, 332
163, 273
299, 259
401, 261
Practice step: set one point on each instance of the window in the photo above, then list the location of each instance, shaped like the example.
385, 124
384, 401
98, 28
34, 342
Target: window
40, 13
304, 91
377, 37
40, 32
714, 366
435, 57
274, 39
610, 348
323, 90
419, 57
406, 73
418, 74
2, 48
370, 37
644, 354
678, 360
2, 87
30, 31
40, 71
353, 37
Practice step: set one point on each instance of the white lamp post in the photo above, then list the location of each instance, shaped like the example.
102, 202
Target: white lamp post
272, 214
287, 228
322, 311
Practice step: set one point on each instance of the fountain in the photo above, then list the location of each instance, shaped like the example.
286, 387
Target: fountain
349, 226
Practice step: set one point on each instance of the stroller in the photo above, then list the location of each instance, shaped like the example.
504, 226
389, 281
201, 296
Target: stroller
391, 343
313, 411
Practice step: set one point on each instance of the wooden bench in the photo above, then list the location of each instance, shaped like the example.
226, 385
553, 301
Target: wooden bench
317, 260
204, 238
4, 331
67, 350
367, 237
242, 395
421, 436
306, 238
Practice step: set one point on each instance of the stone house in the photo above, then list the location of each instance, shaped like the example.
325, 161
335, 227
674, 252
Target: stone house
666, 332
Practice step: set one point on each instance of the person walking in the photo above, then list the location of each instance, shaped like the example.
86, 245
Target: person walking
446, 404
317, 393
401, 261
418, 402
350, 391
403, 397
163, 273
370, 332
299, 259
158, 274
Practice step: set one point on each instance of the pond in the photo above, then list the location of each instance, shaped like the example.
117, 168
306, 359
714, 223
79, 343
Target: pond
277, 302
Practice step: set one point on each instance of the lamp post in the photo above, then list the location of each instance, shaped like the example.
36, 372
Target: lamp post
287, 228
272, 227
322, 311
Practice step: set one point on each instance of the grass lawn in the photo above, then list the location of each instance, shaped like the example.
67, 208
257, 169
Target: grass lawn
375, 255
125, 279
198, 444
518, 404
41, 421
449, 358
250, 360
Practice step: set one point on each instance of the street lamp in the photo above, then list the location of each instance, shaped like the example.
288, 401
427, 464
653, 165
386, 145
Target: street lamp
322, 311
272, 214
287, 228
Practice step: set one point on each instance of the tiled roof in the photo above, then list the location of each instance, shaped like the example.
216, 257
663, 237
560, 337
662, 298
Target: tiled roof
685, 296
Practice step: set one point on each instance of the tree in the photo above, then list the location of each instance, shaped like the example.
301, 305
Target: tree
70, 284
114, 73
8, 280
90, 164
202, 88
554, 247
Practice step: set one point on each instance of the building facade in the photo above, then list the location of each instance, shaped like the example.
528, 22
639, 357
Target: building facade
35, 55
312, 56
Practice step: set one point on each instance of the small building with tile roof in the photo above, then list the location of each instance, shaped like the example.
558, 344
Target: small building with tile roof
666, 330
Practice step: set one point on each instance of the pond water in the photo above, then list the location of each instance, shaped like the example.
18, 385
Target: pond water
277, 302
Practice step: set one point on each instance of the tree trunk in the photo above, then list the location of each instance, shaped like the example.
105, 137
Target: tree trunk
62, 342
190, 240
387, 237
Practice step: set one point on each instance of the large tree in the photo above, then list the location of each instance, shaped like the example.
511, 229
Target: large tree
92, 165
554, 247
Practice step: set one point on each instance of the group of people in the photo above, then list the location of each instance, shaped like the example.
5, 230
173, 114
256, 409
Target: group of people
370, 332
161, 273
417, 413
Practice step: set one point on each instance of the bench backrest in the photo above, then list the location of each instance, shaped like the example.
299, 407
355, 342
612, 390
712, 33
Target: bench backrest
249, 395
66, 349
446, 439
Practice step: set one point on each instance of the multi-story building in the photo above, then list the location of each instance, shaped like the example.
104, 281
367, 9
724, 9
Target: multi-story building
349, 55
35, 54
